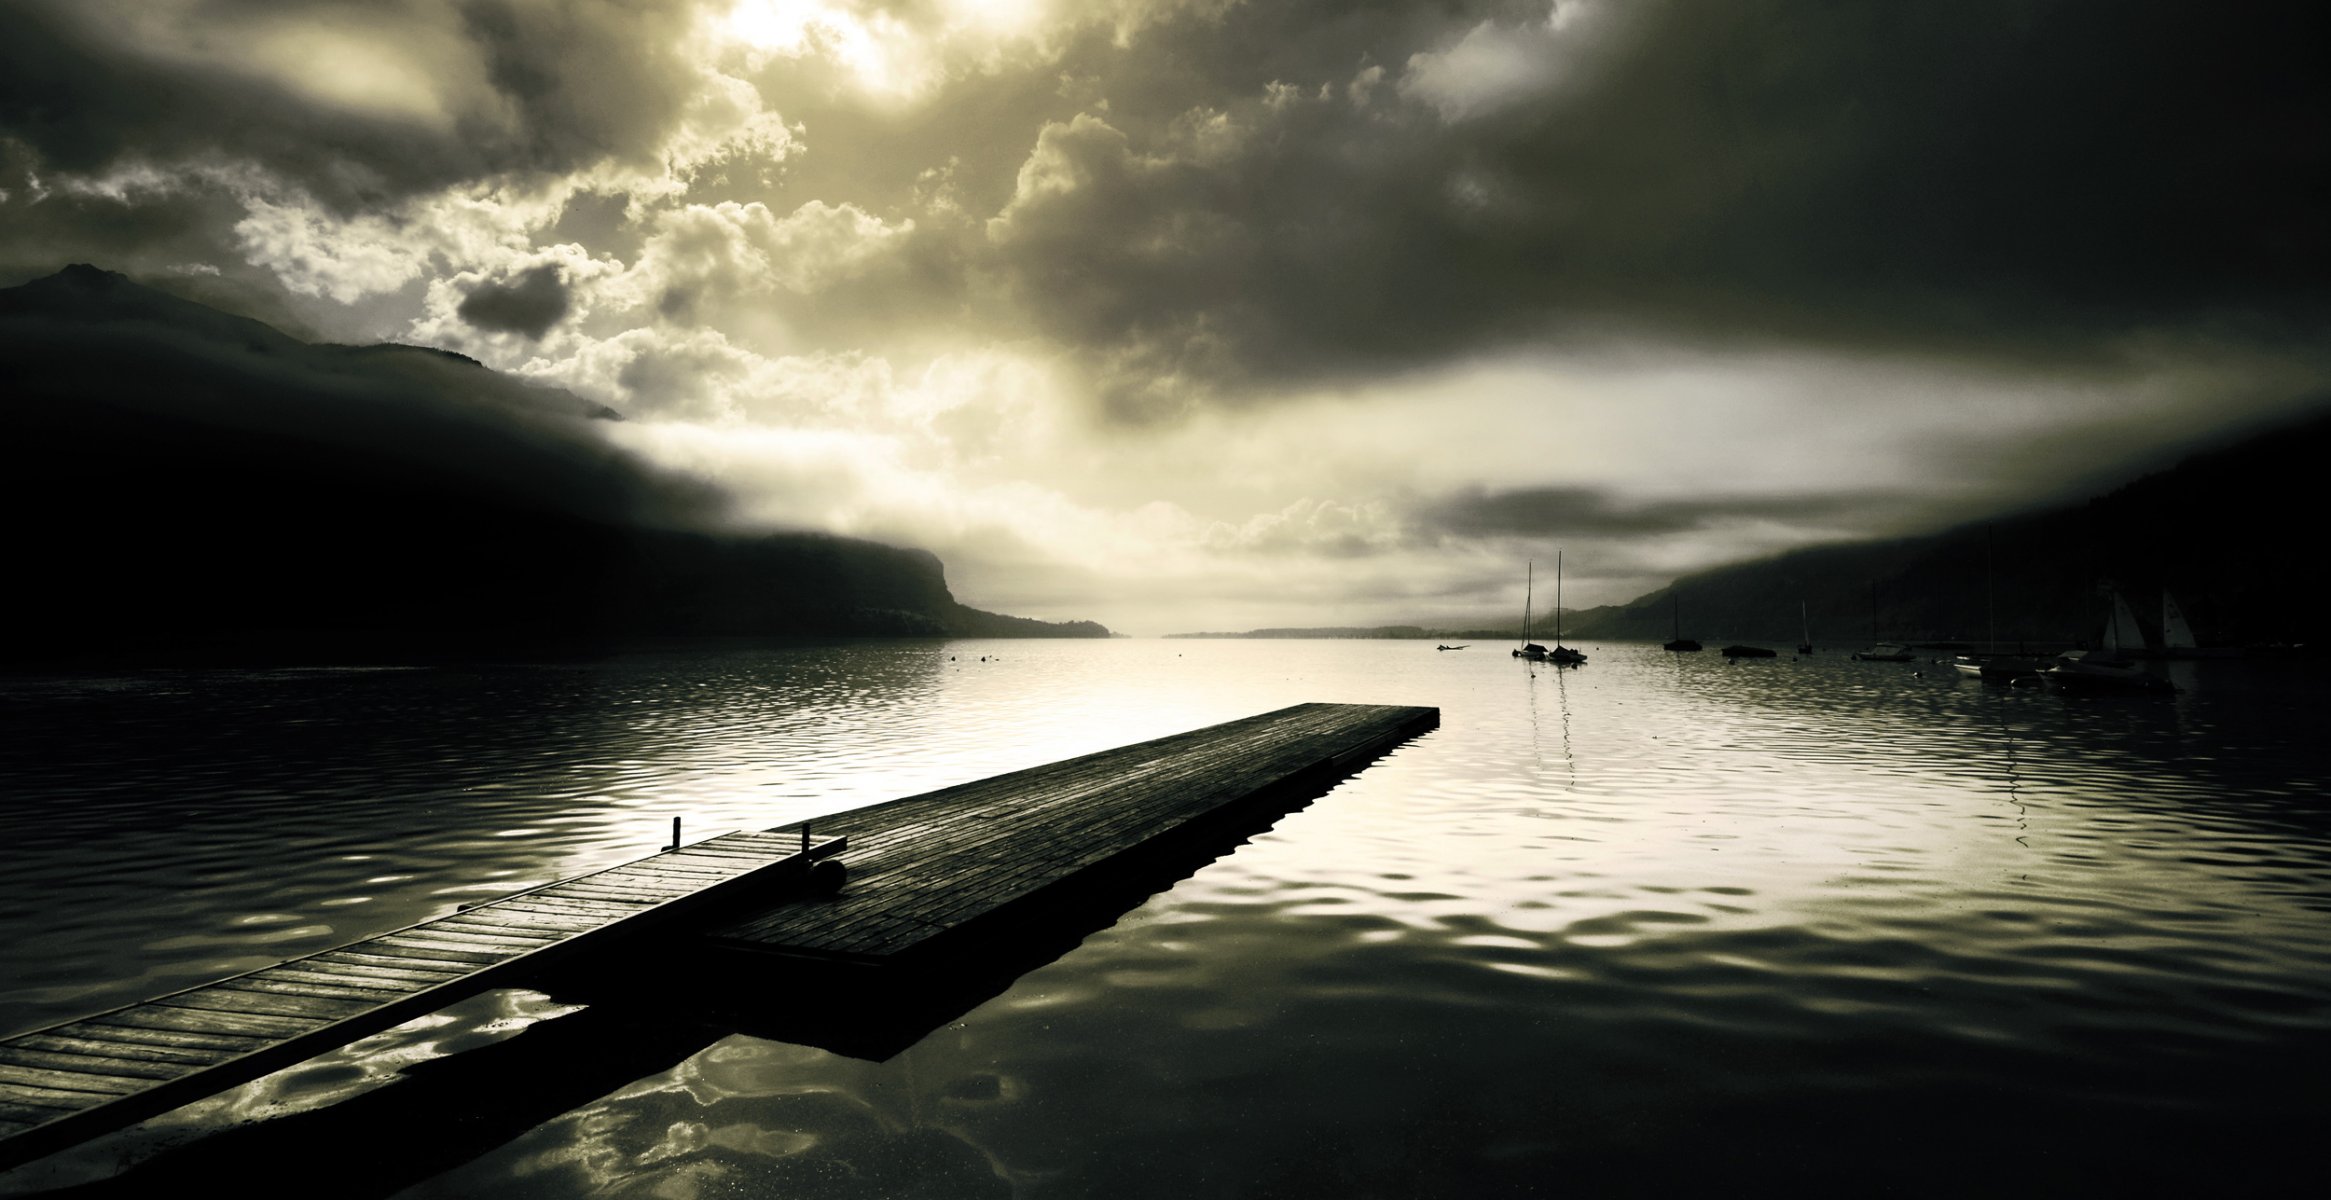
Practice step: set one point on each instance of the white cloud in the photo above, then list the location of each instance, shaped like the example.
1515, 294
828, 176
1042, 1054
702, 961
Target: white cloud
1311, 527
701, 256
317, 252
1493, 65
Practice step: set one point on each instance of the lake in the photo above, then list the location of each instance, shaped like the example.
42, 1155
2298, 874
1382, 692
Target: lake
1656, 924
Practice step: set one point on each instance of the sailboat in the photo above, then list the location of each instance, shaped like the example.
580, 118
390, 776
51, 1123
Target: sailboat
2176, 635
1880, 651
1528, 649
1992, 666
2177, 640
1681, 643
1561, 655
1805, 626
2108, 669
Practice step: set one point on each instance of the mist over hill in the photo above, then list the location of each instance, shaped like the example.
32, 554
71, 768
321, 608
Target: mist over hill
2234, 534
186, 481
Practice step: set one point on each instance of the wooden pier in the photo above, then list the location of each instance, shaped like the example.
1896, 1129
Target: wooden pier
931, 874
71, 1082
931, 877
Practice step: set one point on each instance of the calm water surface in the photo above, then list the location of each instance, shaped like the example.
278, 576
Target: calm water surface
1653, 925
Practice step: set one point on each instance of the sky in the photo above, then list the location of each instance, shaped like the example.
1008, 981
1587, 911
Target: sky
1221, 314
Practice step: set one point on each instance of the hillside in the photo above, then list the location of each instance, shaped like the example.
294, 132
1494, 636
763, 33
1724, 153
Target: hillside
1378, 632
2233, 534
186, 481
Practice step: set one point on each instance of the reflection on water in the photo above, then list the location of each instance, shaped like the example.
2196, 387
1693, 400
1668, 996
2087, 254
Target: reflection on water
1661, 919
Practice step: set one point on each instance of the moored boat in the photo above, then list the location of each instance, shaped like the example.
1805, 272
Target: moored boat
1991, 666
1529, 649
1747, 652
1998, 668
1680, 643
1561, 655
2102, 671
2108, 669
1880, 651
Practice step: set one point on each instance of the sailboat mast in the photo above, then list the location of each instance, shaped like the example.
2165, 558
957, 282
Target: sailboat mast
1527, 573
1557, 597
1990, 603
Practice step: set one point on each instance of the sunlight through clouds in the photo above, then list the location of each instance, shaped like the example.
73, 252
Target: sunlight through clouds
1140, 310
882, 54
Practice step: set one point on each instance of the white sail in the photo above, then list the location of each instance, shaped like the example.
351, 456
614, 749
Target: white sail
2175, 633
2121, 633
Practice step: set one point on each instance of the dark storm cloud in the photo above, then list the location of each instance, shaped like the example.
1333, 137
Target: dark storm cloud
1588, 512
135, 382
1987, 181
589, 77
528, 305
485, 86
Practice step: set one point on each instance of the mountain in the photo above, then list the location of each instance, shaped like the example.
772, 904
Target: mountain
2233, 533
1375, 632
181, 480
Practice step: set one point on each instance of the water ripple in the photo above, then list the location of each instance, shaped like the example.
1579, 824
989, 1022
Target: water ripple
1648, 924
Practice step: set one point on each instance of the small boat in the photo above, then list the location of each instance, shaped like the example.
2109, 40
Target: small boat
1561, 655
1528, 649
1992, 666
1452, 647
1880, 651
2102, 671
1747, 652
1998, 668
2108, 669
1681, 644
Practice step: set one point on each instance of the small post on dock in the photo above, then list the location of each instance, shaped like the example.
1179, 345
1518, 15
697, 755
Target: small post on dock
675, 835
805, 837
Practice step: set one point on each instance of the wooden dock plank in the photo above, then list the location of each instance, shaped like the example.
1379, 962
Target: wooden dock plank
636, 897
205, 1013
120, 1049
1093, 848
85, 1063
73, 1081
298, 1010
503, 928
404, 957
485, 939
343, 975
28, 1114
546, 911
286, 983
162, 1027
924, 867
